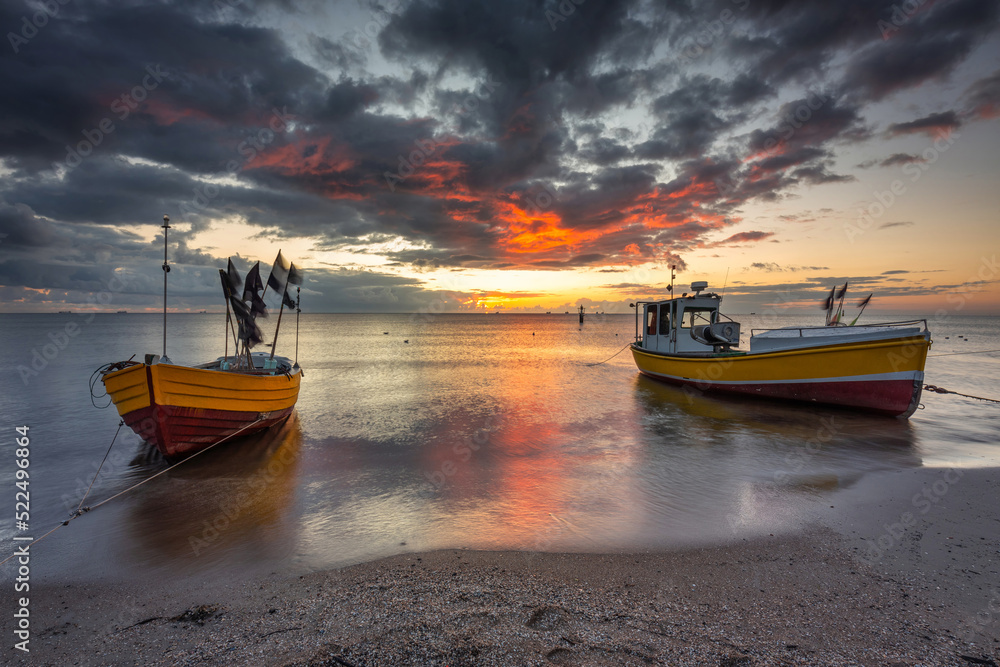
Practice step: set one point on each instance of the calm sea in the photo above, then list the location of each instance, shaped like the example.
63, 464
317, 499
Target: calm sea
481, 431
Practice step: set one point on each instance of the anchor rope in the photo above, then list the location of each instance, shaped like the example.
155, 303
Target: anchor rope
951, 354
611, 357
81, 511
942, 390
120, 424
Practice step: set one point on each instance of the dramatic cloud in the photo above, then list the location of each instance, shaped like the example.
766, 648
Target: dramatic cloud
441, 135
934, 125
984, 97
893, 160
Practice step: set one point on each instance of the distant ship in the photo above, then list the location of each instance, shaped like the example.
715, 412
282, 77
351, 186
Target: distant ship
122, 312
65, 312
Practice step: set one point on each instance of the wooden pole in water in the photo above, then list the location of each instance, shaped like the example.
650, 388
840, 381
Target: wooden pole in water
166, 270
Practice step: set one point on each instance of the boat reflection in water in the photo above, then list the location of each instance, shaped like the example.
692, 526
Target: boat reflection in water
816, 430
230, 505
770, 452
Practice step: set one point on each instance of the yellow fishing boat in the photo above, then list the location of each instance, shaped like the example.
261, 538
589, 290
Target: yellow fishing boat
688, 342
183, 409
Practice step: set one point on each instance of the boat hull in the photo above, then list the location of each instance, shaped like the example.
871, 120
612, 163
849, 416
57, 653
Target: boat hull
182, 410
884, 376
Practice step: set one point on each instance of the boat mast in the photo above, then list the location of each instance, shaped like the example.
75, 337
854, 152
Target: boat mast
166, 270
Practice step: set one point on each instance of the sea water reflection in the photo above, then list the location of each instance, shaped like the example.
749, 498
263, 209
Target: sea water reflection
488, 432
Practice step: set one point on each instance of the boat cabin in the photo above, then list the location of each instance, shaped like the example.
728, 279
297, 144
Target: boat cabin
686, 324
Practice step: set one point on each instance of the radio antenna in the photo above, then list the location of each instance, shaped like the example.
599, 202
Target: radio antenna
724, 284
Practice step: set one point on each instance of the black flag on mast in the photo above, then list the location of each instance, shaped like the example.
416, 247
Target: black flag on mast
294, 275
249, 332
294, 278
841, 293
251, 292
828, 304
279, 273
233, 278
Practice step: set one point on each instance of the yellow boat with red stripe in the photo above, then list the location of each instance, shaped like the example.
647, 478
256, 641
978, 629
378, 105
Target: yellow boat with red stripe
184, 409
876, 368
181, 409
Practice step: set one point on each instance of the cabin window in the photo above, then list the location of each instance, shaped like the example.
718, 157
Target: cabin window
651, 320
664, 320
697, 316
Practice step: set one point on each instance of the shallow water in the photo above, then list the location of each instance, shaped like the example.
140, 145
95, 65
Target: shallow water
482, 431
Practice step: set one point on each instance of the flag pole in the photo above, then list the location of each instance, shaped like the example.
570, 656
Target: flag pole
863, 306
298, 310
274, 343
166, 270
840, 306
226, 295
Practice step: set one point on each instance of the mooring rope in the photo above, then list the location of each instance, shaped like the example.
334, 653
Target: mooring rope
942, 390
611, 357
120, 424
951, 354
80, 511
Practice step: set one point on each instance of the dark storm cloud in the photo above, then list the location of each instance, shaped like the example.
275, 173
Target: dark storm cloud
933, 125
153, 65
496, 136
893, 160
692, 117
925, 44
983, 96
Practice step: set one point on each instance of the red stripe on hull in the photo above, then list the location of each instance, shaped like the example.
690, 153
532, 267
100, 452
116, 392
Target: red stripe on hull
179, 432
897, 398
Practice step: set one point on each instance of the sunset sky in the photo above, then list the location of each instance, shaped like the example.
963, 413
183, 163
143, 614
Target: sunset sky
461, 155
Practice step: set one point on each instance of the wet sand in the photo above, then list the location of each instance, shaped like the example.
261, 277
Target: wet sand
864, 584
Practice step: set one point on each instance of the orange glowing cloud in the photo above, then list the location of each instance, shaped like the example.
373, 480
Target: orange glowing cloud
306, 156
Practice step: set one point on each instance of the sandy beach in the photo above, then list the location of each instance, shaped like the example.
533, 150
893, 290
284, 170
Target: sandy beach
927, 595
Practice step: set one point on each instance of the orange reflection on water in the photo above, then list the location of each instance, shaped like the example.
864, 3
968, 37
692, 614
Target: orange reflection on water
233, 498
516, 477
